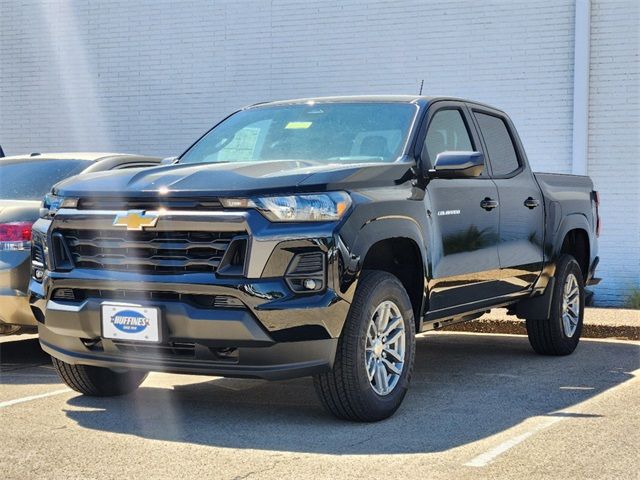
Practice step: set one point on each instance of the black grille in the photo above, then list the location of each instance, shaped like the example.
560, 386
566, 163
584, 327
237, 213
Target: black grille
146, 204
307, 263
64, 294
306, 272
147, 251
37, 254
182, 349
197, 300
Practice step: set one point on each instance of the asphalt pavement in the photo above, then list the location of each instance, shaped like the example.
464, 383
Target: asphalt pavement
480, 406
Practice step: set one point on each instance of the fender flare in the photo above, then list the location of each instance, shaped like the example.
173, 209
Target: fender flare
573, 221
376, 230
385, 228
539, 307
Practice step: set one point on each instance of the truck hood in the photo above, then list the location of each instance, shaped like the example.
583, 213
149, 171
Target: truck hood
233, 179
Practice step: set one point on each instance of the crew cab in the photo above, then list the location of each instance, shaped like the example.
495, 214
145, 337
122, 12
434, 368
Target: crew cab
312, 237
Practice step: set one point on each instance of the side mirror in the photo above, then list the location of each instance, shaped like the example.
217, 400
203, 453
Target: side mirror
168, 161
457, 165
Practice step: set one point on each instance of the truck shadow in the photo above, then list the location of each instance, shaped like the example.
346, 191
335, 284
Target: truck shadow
22, 361
465, 388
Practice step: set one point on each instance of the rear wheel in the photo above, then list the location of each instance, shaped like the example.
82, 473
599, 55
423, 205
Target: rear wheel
98, 381
375, 354
560, 333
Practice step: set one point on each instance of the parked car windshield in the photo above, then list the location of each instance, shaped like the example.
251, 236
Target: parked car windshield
314, 132
33, 179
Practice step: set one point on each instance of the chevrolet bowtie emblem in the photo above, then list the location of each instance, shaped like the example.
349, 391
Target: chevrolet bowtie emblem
136, 220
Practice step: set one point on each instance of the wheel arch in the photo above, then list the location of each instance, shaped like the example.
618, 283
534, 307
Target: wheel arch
395, 245
574, 238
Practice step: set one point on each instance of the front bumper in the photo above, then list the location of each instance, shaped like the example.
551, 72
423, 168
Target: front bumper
270, 331
275, 362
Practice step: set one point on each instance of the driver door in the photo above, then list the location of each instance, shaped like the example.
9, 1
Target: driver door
463, 230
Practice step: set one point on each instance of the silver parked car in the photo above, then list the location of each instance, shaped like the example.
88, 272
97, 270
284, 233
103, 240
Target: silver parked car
24, 181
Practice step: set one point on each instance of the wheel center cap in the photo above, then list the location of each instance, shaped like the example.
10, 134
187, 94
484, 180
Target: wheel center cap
377, 348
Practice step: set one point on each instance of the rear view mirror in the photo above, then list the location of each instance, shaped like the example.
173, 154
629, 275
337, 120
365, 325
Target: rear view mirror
454, 164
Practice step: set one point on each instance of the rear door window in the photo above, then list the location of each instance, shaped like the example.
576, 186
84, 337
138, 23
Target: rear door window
500, 147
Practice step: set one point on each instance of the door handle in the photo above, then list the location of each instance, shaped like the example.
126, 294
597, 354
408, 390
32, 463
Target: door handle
531, 203
489, 204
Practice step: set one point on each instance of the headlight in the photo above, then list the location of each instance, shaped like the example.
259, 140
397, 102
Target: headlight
319, 207
52, 203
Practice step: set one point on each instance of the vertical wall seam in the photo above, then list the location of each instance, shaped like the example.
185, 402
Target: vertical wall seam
581, 87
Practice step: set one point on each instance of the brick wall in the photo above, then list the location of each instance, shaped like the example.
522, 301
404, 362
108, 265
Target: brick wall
150, 76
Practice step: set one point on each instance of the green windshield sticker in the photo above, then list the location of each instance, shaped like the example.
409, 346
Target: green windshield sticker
298, 125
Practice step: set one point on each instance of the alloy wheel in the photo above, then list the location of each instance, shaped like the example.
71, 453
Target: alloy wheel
570, 305
385, 348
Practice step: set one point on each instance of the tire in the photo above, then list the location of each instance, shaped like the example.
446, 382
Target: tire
98, 381
346, 391
552, 336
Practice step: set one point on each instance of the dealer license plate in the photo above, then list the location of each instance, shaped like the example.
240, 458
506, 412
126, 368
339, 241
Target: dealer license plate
121, 321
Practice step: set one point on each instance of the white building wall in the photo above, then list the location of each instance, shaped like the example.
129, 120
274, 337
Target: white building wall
614, 142
150, 76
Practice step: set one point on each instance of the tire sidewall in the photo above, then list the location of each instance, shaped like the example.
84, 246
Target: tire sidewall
566, 266
390, 289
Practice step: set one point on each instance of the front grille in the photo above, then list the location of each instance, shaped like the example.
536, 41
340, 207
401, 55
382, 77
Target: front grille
147, 204
166, 252
182, 349
197, 300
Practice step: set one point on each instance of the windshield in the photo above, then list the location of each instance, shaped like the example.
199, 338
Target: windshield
319, 133
33, 179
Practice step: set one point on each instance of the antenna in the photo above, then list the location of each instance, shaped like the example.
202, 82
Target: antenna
421, 85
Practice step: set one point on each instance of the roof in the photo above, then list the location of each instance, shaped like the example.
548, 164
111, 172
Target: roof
416, 99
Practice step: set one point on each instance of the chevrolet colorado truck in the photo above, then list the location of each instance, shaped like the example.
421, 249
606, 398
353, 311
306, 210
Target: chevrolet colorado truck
311, 237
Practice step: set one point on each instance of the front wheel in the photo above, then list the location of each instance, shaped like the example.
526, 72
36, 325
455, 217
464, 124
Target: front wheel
560, 333
98, 381
375, 354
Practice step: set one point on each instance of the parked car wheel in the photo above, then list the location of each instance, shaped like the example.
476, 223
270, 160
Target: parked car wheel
98, 381
375, 353
560, 333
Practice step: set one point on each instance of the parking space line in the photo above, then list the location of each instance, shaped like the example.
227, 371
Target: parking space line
489, 456
8, 403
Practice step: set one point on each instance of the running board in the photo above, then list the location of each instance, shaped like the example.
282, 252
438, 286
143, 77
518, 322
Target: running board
429, 325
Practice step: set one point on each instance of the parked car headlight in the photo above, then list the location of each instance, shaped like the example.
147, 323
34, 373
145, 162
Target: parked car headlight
52, 203
319, 207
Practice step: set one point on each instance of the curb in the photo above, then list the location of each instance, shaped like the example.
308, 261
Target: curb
517, 327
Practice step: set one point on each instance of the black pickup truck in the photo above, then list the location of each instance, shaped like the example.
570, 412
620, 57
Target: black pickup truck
311, 237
